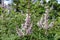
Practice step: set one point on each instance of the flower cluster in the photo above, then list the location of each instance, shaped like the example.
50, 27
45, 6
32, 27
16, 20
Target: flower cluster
26, 27
43, 23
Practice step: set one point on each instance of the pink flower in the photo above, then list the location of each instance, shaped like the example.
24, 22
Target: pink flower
43, 23
26, 27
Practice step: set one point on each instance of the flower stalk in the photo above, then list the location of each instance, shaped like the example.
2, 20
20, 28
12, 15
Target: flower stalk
26, 27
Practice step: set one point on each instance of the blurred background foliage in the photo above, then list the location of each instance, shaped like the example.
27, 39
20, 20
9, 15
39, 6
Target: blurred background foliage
8, 21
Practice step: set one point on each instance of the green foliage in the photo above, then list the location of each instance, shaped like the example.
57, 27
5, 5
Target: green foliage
8, 22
